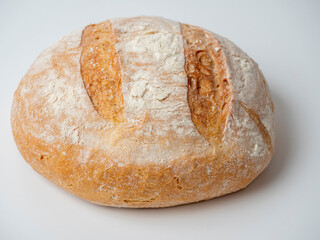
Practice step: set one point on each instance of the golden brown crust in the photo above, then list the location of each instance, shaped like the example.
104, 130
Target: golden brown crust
209, 92
153, 185
64, 138
100, 70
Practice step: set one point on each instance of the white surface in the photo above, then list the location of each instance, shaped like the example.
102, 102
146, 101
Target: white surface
283, 203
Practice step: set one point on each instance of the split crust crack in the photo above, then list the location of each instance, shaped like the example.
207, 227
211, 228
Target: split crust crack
256, 119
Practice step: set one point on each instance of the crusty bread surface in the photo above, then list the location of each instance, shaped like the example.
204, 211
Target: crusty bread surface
144, 112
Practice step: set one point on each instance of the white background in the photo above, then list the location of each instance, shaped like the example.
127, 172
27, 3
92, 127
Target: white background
282, 203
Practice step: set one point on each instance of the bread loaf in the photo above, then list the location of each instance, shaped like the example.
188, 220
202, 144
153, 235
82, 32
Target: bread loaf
144, 112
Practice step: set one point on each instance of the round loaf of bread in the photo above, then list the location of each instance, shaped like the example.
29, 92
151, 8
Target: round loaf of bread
144, 112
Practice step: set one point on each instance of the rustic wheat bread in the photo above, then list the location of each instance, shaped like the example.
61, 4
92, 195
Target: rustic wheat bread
144, 112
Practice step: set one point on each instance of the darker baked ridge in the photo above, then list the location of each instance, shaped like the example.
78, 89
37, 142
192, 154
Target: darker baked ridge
149, 185
210, 85
209, 88
100, 70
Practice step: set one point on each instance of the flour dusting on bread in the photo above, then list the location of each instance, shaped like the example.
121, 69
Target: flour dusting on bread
147, 151
154, 80
66, 111
154, 85
250, 92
